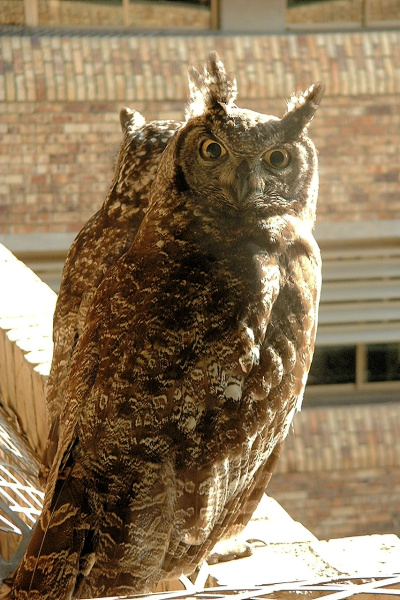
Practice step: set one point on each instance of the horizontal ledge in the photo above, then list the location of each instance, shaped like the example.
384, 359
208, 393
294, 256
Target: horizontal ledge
365, 333
324, 232
31, 243
357, 231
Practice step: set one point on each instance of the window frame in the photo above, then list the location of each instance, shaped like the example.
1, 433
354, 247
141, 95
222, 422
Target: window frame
359, 391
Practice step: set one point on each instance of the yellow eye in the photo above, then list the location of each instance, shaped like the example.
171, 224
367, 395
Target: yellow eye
211, 150
277, 158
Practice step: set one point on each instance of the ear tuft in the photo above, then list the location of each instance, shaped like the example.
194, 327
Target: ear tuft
210, 89
301, 109
313, 94
130, 120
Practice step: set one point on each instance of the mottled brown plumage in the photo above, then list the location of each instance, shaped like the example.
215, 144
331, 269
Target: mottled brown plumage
193, 358
104, 238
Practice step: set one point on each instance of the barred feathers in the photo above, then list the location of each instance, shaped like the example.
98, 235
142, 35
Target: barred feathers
192, 355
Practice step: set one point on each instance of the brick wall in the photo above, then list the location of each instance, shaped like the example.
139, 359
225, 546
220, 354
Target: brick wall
339, 473
343, 502
60, 96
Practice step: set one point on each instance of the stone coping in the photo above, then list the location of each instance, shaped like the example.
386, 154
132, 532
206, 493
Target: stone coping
26, 243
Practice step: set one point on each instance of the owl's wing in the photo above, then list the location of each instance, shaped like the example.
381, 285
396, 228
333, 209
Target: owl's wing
105, 237
57, 556
80, 519
60, 551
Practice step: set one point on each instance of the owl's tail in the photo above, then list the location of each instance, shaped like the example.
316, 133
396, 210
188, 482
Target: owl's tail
58, 555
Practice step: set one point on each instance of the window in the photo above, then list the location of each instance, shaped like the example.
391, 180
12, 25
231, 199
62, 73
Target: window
341, 14
383, 362
351, 373
152, 14
362, 364
333, 365
357, 354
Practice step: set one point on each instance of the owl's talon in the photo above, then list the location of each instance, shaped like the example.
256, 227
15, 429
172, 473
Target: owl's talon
228, 550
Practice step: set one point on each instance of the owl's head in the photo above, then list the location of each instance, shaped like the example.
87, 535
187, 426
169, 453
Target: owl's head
240, 161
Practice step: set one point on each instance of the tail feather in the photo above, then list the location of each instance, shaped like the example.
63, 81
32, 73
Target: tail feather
54, 563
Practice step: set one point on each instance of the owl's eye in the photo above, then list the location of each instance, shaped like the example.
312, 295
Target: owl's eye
277, 158
212, 150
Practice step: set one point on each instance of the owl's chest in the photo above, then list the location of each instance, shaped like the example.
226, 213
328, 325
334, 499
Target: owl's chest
186, 347
201, 291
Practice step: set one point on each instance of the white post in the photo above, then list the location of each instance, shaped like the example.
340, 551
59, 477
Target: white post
31, 8
214, 16
125, 13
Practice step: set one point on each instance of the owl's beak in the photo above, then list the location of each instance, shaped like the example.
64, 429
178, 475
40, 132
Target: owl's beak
242, 190
246, 182
243, 174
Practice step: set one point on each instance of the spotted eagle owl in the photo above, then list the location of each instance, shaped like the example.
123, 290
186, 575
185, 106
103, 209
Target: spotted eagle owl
193, 358
103, 239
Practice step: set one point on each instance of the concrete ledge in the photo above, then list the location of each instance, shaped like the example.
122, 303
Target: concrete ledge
357, 231
288, 552
34, 243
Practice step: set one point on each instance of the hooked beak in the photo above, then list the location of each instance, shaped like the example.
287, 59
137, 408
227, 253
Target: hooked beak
242, 190
246, 183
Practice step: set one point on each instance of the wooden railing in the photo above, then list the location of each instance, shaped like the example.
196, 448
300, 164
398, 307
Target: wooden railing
26, 311
26, 314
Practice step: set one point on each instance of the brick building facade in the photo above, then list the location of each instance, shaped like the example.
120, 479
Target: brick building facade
60, 95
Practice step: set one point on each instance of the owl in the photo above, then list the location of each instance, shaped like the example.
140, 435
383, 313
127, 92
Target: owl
193, 357
104, 238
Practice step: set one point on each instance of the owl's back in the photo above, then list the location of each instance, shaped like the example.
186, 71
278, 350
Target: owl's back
104, 238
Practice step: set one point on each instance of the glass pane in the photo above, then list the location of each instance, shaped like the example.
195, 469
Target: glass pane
81, 13
12, 12
160, 14
333, 365
383, 362
361, 14
303, 12
156, 14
